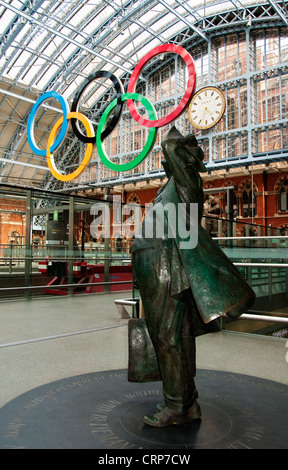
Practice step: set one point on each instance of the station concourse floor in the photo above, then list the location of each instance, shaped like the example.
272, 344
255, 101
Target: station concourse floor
47, 339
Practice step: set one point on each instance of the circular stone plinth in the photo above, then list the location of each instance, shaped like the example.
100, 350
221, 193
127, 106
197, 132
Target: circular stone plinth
104, 411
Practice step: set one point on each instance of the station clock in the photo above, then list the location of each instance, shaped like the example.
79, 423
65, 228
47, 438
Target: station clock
206, 107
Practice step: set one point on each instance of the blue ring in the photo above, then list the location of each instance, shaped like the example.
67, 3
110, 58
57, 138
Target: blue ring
30, 125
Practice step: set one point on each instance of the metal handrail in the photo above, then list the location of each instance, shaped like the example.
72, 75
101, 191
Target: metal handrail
257, 237
74, 258
263, 265
244, 316
250, 316
63, 286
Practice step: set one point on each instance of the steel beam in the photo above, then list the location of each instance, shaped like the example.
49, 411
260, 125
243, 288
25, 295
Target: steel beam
279, 11
182, 18
63, 36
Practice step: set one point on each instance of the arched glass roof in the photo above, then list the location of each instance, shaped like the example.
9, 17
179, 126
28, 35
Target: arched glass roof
55, 45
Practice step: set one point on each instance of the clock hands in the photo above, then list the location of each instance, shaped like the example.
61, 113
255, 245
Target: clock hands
206, 109
211, 114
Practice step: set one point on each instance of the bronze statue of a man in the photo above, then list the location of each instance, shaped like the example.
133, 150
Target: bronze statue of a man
183, 290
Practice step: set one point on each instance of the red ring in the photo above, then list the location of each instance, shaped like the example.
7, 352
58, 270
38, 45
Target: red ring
188, 93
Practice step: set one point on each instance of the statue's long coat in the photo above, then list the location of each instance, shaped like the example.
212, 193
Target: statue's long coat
216, 284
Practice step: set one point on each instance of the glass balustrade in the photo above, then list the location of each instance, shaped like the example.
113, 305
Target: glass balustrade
59, 249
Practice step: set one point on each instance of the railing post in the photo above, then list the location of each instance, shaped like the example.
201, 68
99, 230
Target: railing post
270, 283
28, 260
249, 275
106, 264
219, 225
70, 244
10, 257
286, 282
229, 214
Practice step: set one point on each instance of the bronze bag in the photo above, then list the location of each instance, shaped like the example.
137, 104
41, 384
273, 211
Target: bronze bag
143, 363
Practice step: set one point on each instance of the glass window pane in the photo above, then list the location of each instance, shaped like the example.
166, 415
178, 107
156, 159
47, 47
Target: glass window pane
283, 200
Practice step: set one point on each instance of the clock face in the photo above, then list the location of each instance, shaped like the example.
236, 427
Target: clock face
206, 108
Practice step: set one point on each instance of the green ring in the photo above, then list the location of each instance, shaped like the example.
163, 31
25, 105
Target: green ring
149, 143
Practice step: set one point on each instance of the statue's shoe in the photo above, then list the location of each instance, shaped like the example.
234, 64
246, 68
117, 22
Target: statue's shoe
194, 412
168, 417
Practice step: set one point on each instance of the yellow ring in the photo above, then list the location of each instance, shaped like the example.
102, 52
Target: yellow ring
50, 158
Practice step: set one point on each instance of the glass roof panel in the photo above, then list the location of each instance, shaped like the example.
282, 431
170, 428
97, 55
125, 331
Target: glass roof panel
56, 44
40, 29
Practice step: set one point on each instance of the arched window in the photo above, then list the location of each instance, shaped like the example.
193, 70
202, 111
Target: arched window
283, 196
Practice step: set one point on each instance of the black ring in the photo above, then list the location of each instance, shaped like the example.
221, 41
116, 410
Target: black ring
118, 110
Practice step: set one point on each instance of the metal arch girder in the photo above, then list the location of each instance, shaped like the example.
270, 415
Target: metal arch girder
76, 53
129, 40
8, 93
141, 8
224, 164
146, 4
17, 140
11, 145
20, 26
182, 18
279, 11
14, 35
17, 161
21, 98
140, 46
241, 16
160, 174
15, 136
57, 33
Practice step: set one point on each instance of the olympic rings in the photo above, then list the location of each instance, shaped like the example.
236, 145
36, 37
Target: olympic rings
187, 96
118, 111
117, 105
151, 136
88, 153
30, 124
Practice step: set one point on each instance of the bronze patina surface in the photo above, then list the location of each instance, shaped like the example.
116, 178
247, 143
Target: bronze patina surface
183, 290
